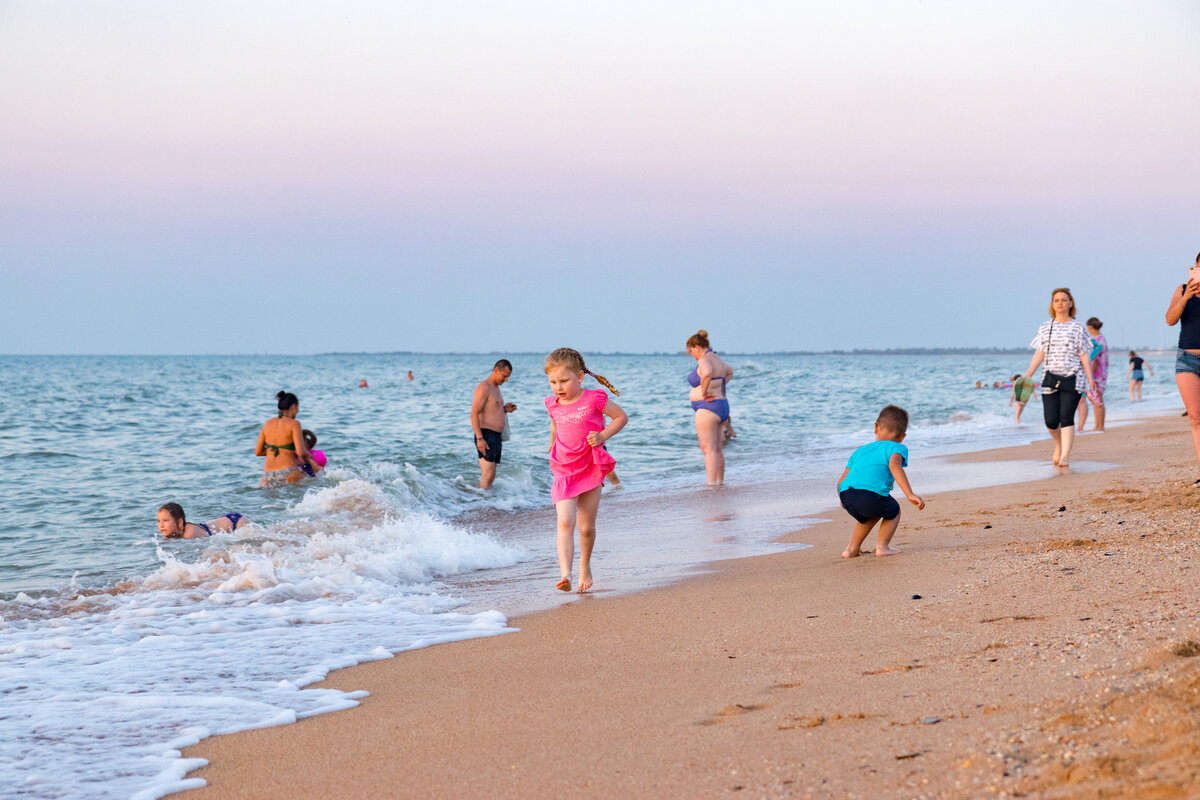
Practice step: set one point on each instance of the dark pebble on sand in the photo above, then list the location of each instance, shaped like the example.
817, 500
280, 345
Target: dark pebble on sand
985, 527
1062, 508
916, 597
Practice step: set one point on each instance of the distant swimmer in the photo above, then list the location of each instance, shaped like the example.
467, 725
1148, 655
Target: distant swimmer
281, 442
1136, 374
1064, 346
318, 456
708, 381
865, 487
363, 385
410, 375
489, 417
173, 525
578, 460
1185, 310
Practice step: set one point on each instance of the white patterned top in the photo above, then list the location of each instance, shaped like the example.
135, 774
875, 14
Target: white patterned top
1063, 343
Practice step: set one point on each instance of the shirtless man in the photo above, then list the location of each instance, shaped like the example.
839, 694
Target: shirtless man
488, 411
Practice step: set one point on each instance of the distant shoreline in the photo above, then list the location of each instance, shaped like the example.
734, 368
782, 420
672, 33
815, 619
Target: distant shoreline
895, 351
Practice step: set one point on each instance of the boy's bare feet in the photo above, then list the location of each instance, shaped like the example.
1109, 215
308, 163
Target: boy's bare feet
887, 551
848, 553
564, 585
585, 581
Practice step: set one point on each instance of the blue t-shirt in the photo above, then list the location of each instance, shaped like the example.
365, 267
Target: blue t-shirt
868, 467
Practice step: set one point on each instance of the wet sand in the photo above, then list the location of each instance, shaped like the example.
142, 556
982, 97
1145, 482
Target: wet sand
1036, 639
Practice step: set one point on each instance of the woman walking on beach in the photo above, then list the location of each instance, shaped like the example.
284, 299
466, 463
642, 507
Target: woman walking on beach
1136, 374
578, 460
708, 381
281, 441
1063, 345
1099, 357
1185, 310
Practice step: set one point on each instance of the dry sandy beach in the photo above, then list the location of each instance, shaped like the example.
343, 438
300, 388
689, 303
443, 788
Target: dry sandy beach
1035, 639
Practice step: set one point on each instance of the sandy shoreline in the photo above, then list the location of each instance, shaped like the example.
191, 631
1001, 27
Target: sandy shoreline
1048, 656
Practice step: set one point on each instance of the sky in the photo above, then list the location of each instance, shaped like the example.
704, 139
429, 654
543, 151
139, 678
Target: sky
306, 177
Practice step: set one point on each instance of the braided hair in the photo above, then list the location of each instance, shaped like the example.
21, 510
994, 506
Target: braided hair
572, 360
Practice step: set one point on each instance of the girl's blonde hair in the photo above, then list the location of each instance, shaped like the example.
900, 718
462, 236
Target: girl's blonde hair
572, 360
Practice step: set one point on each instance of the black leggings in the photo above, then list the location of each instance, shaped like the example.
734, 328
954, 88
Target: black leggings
1059, 408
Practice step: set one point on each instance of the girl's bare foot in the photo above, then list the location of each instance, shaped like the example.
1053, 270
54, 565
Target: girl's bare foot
564, 585
886, 551
848, 553
585, 581
1057, 455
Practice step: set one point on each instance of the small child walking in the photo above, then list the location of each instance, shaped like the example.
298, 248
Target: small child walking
866, 484
578, 460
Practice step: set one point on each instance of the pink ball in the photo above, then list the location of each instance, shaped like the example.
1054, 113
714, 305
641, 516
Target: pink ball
319, 457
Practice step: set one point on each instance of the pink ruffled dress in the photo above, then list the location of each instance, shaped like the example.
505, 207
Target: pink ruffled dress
576, 465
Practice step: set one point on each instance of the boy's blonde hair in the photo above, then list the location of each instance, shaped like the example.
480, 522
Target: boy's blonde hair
894, 419
572, 360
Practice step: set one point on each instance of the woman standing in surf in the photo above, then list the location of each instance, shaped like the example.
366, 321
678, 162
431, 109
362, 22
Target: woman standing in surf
1064, 346
281, 442
708, 381
1185, 310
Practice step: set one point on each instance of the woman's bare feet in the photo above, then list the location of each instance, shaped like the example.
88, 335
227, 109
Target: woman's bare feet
886, 551
848, 553
585, 580
1057, 455
563, 585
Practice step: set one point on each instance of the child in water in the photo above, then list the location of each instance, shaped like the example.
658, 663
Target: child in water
318, 456
578, 460
173, 525
866, 484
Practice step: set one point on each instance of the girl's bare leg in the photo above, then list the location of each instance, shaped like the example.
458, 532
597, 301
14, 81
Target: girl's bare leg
589, 504
1189, 390
567, 513
1131, 383
1099, 426
861, 529
1081, 413
708, 431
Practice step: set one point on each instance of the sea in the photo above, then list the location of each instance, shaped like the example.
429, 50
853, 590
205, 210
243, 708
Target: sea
117, 648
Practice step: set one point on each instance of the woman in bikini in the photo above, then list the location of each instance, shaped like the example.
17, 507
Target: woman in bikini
708, 381
172, 524
281, 440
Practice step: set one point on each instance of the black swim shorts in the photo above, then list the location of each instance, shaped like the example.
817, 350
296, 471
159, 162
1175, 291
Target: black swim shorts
491, 441
865, 506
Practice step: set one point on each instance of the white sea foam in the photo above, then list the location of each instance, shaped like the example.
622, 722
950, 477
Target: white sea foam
224, 641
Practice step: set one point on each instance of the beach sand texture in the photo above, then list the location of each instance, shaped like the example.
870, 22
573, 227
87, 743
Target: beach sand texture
1052, 653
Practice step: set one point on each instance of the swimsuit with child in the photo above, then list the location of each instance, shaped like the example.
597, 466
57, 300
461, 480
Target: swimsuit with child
719, 407
865, 492
577, 467
232, 517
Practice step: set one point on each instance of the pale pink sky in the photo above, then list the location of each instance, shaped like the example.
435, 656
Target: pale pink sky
453, 176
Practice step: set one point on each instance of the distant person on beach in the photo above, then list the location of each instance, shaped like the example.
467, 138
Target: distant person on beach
173, 525
865, 487
281, 441
318, 456
711, 409
1063, 345
578, 460
489, 416
1099, 358
1185, 310
1015, 399
363, 385
1136, 374
410, 375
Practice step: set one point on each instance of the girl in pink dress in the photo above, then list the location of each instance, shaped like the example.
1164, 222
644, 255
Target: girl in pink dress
578, 459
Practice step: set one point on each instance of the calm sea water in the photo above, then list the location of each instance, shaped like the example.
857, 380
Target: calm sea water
116, 648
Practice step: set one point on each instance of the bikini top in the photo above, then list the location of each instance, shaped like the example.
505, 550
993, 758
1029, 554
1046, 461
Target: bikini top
693, 377
277, 447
